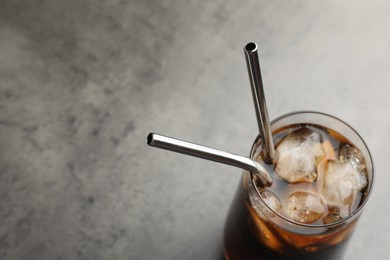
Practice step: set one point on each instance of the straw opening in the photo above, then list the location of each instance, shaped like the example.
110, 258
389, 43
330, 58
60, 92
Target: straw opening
251, 47
150, 139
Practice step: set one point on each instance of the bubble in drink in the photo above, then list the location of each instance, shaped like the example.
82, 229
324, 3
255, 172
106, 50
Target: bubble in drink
298, 155
305, 207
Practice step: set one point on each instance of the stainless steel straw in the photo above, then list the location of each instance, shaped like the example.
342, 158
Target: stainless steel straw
253, 65
211, 154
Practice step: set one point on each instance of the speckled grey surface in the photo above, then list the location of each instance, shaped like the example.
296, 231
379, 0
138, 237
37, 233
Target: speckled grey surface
82, 83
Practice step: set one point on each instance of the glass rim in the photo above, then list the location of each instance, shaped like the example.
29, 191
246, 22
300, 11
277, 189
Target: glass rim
318, 226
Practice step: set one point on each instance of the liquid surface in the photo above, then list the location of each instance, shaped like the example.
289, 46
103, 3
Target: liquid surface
319, 176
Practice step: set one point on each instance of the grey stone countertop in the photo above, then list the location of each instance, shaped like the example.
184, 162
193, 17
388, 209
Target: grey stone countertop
82, 83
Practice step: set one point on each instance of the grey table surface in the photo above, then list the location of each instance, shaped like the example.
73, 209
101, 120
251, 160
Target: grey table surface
82, 83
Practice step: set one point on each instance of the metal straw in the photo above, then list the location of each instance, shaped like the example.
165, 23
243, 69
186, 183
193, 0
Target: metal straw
253, 65
211, 154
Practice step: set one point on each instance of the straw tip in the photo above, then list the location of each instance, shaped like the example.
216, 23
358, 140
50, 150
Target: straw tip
150, 138
250, 47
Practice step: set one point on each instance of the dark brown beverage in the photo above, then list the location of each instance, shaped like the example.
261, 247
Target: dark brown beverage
322, 179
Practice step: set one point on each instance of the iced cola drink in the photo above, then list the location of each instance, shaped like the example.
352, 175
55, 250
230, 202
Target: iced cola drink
322, 178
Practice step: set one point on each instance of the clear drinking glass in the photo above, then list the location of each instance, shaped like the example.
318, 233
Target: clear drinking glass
254, 230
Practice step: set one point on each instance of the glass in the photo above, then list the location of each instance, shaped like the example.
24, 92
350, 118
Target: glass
253, 230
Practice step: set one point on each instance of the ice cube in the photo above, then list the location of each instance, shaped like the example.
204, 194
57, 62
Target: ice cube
335, 214
348, 153
298, 154
341, 183
271, 200
267, 197
305, 207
